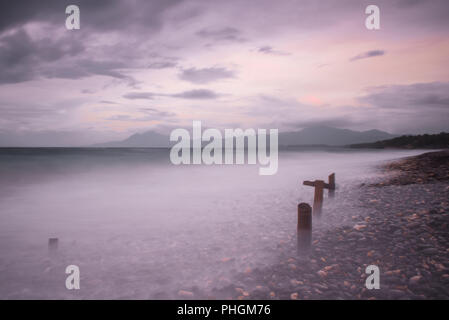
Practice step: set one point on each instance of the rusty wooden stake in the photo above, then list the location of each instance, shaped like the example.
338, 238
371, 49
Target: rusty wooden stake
331, 185
318, 198
304, 236
52, 245
319, 186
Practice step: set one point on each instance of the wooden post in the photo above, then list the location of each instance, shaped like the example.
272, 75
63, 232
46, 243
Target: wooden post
52, 245
332, 185
318, 198
319, 186
304, 230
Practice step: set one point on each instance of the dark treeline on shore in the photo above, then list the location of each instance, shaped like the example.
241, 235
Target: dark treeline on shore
424, 141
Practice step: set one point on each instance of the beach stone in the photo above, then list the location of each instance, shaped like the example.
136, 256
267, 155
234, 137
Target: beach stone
359, 227
414, 280
185, 294
322, 273
430, 251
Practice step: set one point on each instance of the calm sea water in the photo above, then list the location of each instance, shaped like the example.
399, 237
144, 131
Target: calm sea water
140, 227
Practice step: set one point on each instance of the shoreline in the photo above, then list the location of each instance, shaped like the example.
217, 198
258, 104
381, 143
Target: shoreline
407, 239
429, 167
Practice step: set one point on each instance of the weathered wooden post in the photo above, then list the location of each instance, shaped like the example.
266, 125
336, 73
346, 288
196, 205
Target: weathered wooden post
304, 230
318, 197
331, 185
52, 245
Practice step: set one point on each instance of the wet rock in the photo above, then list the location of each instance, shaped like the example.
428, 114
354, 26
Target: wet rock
185, 294
414, 280
359, 227
430, 251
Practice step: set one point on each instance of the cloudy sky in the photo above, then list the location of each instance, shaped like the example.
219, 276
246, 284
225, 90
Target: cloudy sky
157, 65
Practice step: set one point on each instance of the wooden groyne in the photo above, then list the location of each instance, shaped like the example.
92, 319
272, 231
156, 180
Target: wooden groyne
305, 212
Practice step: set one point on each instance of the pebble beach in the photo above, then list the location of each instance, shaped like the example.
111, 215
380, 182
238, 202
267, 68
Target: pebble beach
404, 231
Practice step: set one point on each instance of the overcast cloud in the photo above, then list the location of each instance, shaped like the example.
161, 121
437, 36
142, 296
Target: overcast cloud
241, 62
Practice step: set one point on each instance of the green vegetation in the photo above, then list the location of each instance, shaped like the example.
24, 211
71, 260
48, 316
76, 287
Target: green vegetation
424, 141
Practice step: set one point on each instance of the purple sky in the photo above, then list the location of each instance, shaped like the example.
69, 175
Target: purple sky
157, 65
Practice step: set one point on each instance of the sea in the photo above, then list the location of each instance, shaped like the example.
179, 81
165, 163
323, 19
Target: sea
139, 227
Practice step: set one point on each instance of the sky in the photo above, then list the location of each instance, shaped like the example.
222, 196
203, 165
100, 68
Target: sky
141, 65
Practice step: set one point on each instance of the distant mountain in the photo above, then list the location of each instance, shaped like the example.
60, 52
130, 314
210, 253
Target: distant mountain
425, 141
318, 135
147, 139
49, 138
323, 135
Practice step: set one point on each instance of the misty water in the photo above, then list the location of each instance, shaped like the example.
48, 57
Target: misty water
140, 227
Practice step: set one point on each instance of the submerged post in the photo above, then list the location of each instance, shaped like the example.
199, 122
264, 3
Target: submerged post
331, 185
304, 230
52, 245
318, 198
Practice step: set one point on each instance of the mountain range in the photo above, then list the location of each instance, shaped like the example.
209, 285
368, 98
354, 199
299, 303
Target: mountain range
317, 135
148, 139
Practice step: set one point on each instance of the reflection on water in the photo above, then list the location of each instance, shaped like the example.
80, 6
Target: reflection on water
139, 227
